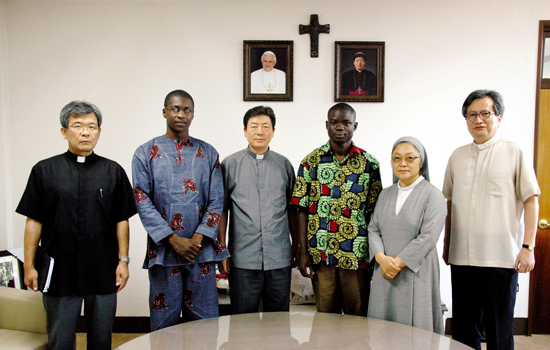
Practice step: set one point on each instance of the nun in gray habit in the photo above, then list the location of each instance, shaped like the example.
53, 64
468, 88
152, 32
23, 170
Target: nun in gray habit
403, 231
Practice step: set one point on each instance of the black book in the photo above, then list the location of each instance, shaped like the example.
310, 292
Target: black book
43, 263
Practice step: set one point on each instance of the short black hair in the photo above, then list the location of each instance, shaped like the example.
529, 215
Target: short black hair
498, 103
342, 107
180, 93
79, 108
259, 110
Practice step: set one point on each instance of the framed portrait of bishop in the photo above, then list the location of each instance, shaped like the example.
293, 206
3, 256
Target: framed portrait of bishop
359, 71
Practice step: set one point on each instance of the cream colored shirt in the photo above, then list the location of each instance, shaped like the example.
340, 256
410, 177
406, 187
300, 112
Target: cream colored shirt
487, 185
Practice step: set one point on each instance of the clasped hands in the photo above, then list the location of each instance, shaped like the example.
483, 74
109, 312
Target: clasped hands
186, 248
390, 266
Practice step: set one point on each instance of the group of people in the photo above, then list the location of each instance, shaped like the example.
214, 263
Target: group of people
368, 251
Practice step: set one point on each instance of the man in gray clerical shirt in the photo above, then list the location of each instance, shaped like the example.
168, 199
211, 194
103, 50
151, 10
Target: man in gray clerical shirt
258, 186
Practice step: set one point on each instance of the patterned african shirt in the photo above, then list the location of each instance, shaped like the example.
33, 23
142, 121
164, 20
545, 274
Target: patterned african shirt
340, 198
178, 188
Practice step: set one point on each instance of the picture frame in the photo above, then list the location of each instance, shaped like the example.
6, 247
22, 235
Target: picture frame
276, 84
367, 84
9, 272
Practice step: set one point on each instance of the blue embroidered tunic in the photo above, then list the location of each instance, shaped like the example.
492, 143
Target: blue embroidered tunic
178, 188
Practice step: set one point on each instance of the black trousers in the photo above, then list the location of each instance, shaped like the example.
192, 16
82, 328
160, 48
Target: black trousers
248, 287
487, 292
62, 314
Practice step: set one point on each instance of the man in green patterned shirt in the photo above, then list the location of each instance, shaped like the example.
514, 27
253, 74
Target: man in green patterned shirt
336, 190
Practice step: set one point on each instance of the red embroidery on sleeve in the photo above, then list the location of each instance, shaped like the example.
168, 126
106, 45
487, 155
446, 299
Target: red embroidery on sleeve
213, 219
139, 195
199, 154
218, 248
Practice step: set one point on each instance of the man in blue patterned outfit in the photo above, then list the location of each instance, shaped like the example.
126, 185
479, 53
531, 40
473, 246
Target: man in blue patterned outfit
178, 188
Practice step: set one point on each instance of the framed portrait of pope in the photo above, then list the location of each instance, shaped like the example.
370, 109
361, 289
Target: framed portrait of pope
359, 71
267, 70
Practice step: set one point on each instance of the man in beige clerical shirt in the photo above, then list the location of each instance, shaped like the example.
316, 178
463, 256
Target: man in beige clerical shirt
489, 183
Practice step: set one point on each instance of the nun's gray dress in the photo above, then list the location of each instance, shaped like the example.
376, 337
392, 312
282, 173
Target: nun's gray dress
413, 297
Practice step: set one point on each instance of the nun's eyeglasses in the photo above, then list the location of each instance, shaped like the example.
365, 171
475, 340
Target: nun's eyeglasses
409, 159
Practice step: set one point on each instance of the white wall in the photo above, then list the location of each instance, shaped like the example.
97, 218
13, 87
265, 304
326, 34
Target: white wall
6, 236
125, 56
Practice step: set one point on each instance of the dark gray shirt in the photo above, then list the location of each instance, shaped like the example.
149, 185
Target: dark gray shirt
257, 194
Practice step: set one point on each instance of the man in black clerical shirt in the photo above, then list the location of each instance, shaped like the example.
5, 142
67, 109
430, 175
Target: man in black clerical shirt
78, 205
359, 81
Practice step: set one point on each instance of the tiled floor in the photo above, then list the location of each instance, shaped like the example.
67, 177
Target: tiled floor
535, 342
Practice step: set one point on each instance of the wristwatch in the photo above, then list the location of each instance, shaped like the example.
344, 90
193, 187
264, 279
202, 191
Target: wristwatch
530, 247
127, 259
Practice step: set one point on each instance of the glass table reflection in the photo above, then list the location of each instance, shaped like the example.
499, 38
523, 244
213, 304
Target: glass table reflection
292, 330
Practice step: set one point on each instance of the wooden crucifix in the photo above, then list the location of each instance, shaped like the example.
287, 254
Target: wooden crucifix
313, 29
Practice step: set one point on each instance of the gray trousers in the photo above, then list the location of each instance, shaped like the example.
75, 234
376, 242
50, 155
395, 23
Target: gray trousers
248, 287
62, 314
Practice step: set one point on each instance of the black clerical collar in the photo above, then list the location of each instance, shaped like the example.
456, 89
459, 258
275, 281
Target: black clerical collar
78, 159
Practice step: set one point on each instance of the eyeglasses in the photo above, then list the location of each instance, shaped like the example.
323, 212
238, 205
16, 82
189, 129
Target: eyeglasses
409, 159
176, 110
483, 115
81, 128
